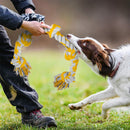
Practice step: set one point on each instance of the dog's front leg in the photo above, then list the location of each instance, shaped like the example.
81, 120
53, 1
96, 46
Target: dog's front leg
116, 102
107, 93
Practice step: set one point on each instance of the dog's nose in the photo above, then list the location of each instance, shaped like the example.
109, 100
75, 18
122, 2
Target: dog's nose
68, 36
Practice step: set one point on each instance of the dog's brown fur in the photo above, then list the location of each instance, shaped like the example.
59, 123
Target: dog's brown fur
97, 55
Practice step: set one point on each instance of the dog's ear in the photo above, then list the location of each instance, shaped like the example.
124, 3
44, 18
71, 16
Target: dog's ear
102, 59
99, 65
107, 49
106, 46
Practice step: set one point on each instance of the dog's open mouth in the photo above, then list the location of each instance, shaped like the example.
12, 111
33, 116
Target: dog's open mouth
77, 50
69, 37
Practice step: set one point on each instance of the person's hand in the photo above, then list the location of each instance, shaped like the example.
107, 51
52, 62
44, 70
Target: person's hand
29, 10
34, 27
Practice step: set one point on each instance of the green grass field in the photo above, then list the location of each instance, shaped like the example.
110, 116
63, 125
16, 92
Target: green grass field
47, 64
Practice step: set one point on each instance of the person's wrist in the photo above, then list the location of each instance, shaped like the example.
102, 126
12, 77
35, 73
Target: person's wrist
24, 24
29, 11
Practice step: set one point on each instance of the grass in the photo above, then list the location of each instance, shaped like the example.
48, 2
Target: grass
45, 65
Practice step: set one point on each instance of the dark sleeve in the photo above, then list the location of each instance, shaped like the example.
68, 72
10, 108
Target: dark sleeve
10, 19
21, 5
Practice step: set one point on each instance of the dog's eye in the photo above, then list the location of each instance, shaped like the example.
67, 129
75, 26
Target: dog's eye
84, 44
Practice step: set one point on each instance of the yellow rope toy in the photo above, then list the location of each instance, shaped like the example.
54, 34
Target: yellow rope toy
64, 79
22, 67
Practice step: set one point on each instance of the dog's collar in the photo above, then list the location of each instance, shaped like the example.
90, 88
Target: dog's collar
112, 74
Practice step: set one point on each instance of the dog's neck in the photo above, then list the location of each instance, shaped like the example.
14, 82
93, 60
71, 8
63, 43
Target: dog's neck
106, 71
115, 66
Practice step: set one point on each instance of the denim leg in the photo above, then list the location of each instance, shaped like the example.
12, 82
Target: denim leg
16, 88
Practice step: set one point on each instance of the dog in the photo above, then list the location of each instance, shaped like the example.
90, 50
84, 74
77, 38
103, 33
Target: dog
107, 62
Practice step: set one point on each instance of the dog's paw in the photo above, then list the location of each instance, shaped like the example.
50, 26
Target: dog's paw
74, 107
104, 115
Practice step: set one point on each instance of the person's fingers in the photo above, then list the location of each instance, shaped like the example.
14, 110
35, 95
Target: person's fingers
36, 28
43, 25
42, 31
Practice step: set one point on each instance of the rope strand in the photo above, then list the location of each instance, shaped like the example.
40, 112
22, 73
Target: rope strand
64, 79
21, 66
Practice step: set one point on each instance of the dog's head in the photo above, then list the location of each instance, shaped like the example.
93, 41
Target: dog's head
91, 50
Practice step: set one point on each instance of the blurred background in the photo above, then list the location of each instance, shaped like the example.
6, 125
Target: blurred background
106, 20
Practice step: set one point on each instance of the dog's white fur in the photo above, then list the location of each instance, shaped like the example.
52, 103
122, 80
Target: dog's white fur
118, 91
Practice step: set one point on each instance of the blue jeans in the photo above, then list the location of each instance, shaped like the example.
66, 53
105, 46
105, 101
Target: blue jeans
16, 88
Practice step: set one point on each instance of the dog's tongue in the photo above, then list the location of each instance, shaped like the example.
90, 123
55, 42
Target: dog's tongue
79, 52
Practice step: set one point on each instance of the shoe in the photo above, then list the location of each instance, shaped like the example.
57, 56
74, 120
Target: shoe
37, 119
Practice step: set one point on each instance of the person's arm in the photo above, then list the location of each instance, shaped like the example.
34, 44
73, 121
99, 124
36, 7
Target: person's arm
12, 20
9, 18
22, 5
27, 6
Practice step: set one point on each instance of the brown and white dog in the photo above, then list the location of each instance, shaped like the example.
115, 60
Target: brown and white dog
114, 64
